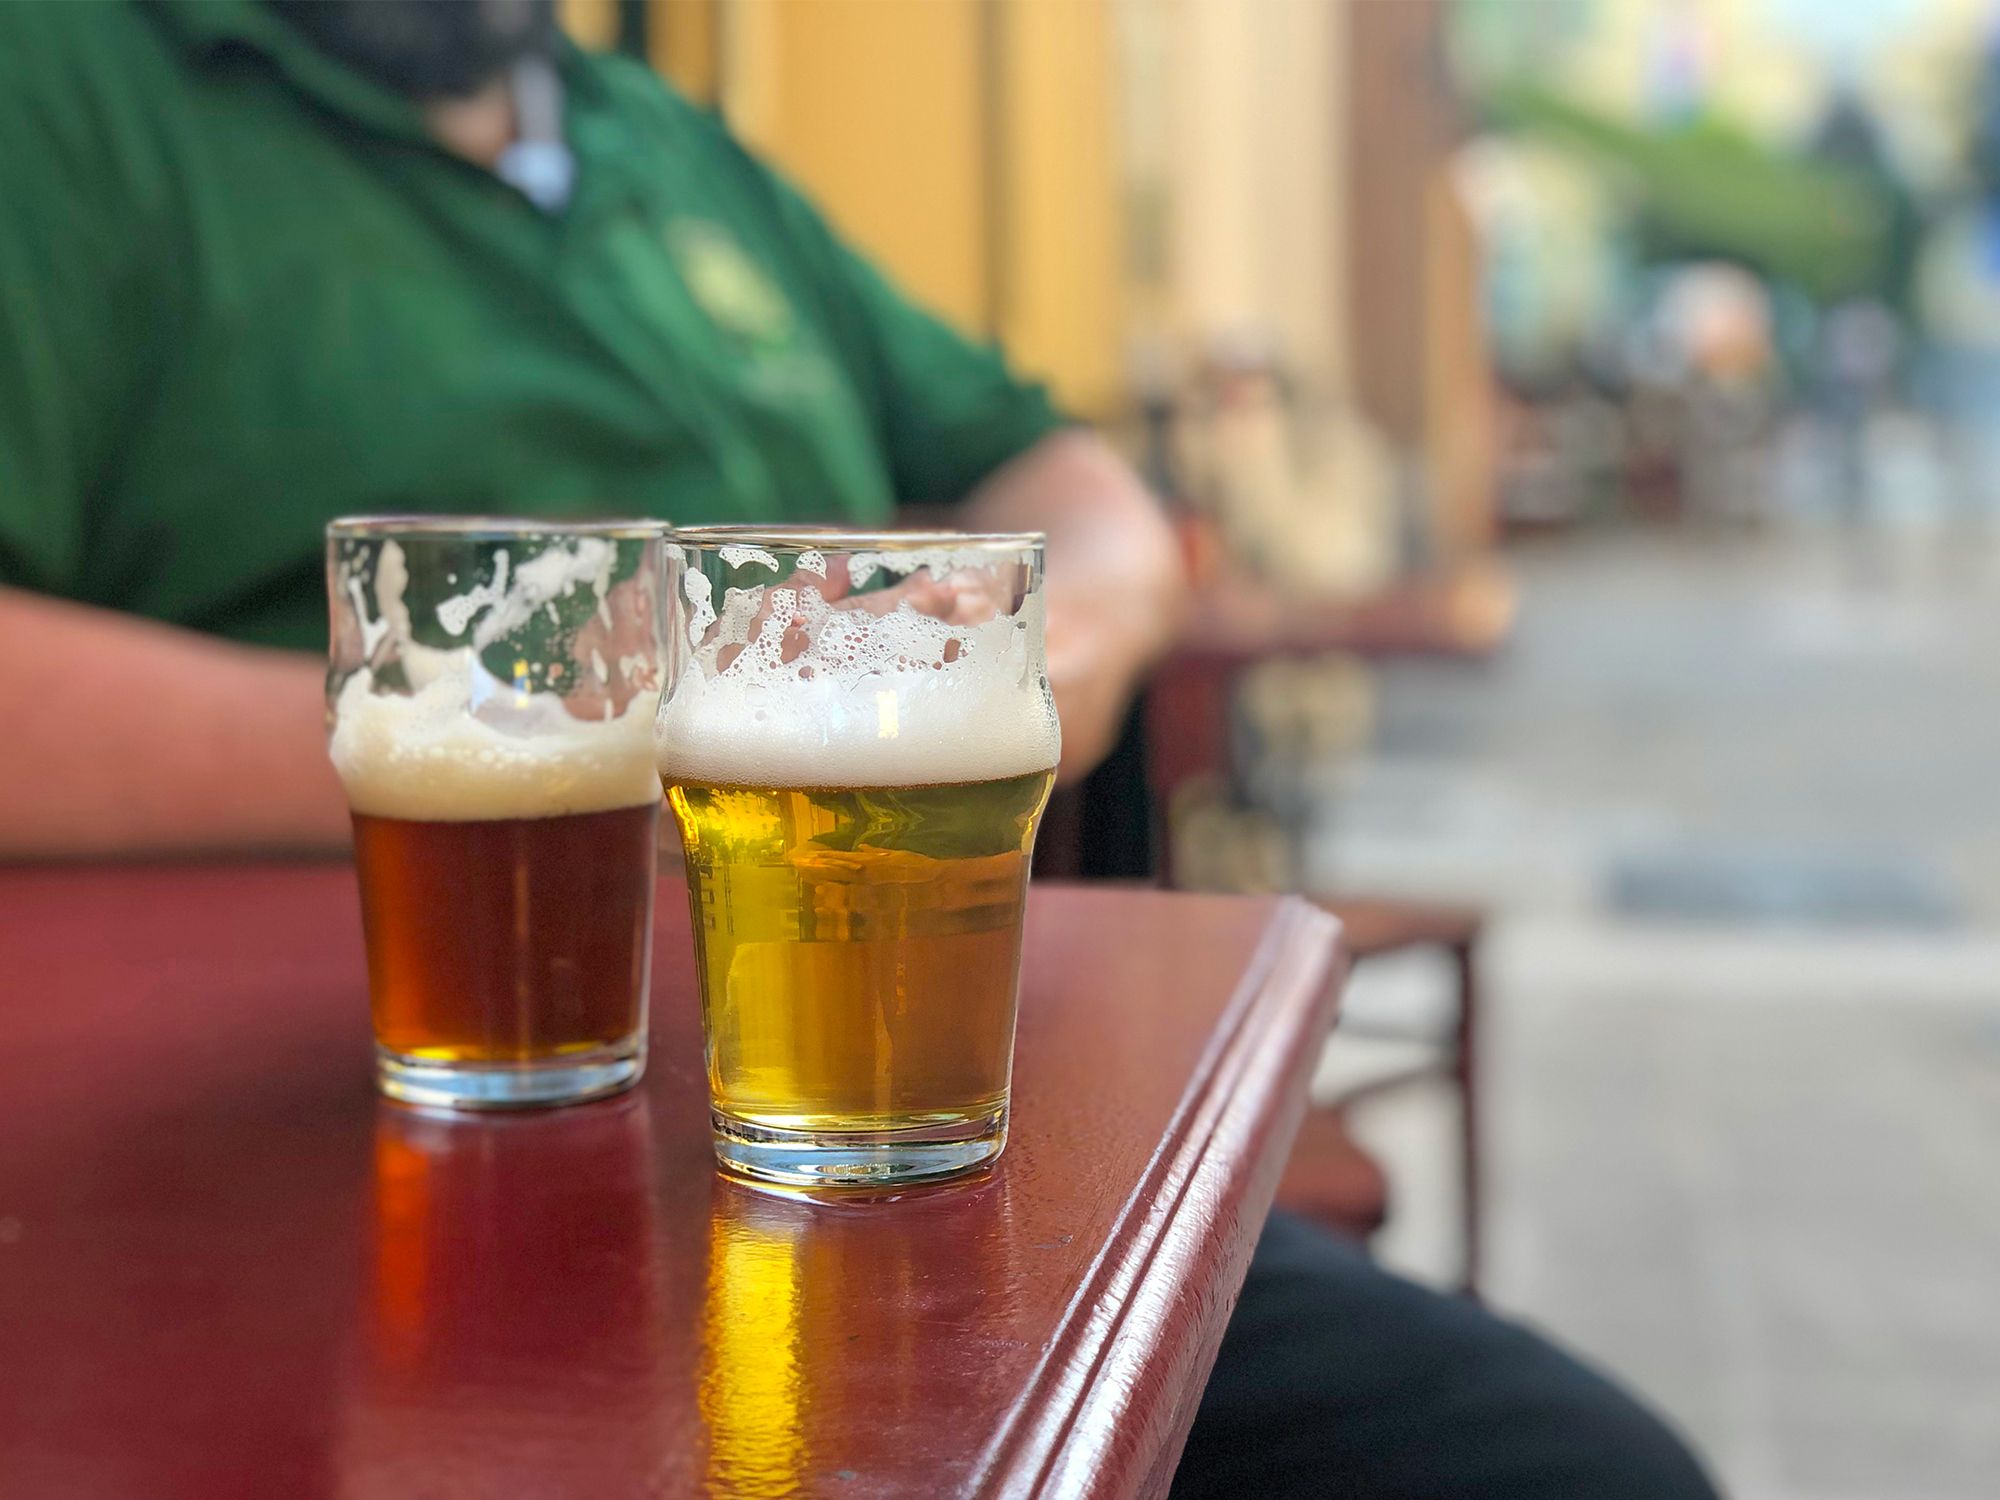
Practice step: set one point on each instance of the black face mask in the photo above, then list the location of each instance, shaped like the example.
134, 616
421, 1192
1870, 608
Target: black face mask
426, 48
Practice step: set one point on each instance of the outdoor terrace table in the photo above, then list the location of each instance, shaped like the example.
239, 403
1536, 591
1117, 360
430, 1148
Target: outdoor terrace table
228, 1269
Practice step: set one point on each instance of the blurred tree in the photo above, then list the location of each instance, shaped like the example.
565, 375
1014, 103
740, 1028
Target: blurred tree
1704, 190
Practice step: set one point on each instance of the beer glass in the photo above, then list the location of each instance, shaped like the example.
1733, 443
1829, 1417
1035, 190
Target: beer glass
857, 748
490, 706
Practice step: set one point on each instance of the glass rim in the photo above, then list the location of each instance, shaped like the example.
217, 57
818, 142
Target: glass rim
818, 538
422, 526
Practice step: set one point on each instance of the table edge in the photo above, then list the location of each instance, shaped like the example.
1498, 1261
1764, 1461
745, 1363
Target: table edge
1074, 1433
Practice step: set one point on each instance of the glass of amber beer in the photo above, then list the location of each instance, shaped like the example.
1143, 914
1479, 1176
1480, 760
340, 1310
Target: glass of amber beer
490, 707
857, 748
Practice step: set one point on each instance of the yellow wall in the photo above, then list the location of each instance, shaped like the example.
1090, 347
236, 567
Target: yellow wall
1253, 180
967, 145
593, 23
877, 108
995, 155
1061, 265
684, 42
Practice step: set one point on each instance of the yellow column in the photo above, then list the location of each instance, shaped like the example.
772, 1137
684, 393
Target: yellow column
684, 44
1060, 292
877, 108
592, 23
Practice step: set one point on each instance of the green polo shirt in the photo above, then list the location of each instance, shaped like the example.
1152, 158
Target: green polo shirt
242, 292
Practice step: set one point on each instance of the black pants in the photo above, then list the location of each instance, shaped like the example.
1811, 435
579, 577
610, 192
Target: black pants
1337, 1379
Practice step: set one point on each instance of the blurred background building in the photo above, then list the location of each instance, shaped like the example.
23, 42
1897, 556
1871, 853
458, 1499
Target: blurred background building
1153, 206
1584, 419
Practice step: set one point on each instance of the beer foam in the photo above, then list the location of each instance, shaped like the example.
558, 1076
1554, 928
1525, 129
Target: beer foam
874, 699
467, 747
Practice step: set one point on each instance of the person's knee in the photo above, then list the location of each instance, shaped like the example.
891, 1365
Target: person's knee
1539, 1424
1633, 1455
1336, 1377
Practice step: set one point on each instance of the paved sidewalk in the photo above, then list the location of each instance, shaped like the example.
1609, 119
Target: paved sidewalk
1738, 811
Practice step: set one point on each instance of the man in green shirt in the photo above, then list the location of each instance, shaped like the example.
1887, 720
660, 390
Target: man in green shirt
262, 264
252, 277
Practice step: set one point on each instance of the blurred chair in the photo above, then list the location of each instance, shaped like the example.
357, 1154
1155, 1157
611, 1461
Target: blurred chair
1331, 1179
1172, 803
1259, 678
1175, 783
1321, 1182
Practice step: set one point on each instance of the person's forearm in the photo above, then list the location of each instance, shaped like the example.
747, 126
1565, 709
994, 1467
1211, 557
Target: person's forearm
122, 736
1114, 580
1110, 551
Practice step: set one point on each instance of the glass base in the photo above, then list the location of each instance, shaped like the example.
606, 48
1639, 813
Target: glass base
859, 1158
530, 1085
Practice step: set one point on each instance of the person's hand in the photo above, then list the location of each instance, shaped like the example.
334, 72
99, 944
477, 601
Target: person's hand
1113, 580
615, 654
1093, 681
1093, 671
965, 597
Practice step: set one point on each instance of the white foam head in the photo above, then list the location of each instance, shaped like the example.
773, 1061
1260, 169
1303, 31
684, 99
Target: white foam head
425, 755
873, 699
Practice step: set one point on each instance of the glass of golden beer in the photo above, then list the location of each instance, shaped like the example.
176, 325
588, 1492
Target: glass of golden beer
857, 747
490, 707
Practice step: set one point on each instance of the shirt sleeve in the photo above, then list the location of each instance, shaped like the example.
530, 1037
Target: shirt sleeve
40, 494
948, 408
70, 332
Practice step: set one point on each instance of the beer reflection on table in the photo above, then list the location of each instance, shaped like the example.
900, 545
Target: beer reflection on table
820, 1321
510, 1319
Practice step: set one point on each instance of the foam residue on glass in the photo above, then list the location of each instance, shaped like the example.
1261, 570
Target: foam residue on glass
463, 744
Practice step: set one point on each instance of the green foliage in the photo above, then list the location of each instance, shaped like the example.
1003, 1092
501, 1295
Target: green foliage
1704, 189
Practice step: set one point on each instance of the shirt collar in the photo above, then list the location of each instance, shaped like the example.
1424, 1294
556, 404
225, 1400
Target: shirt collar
210, 29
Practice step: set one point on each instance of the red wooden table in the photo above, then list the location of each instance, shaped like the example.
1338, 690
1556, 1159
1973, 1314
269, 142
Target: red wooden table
227, 1269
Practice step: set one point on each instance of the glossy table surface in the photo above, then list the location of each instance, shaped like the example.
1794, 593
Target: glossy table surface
227, 1268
